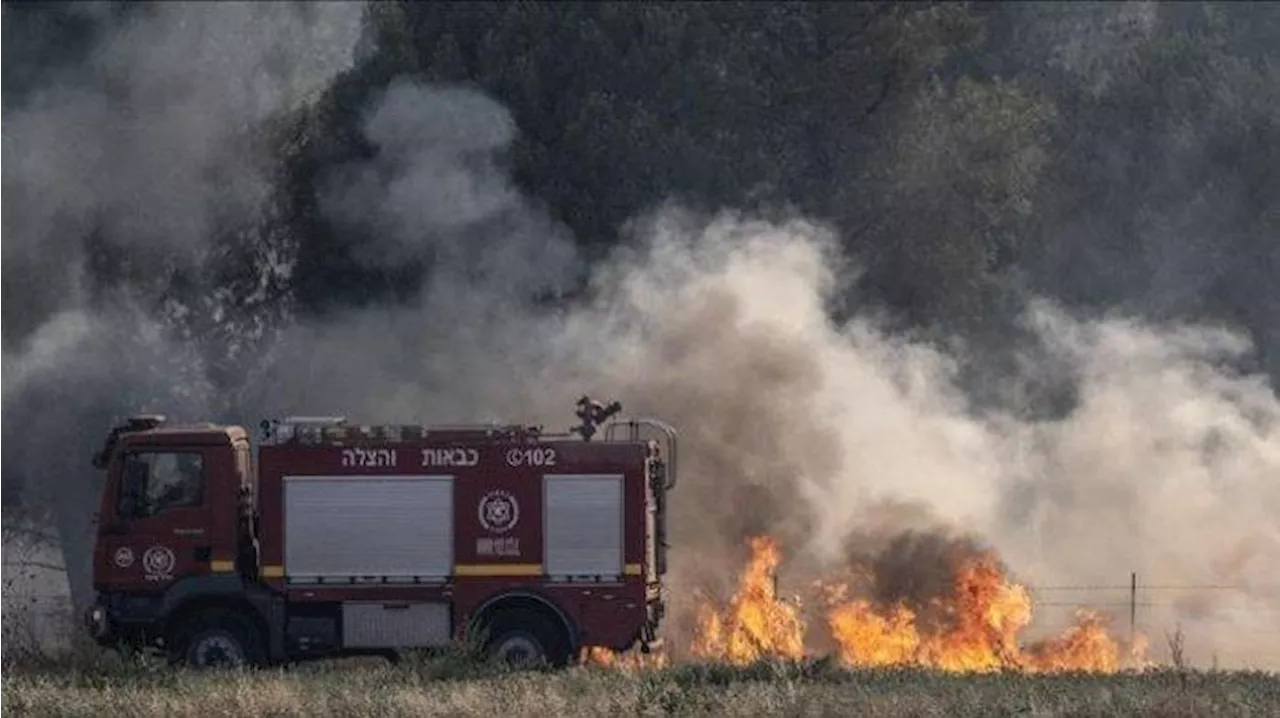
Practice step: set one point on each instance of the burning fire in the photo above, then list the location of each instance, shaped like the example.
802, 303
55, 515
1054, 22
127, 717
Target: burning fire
599, 655
973, 626
756, 624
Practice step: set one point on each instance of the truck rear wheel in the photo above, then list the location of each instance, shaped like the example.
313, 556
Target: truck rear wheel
522, 638
217, 638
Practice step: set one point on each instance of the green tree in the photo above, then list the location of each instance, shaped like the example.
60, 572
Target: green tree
623, 106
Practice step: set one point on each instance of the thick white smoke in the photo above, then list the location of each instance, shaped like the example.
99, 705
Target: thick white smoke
1164, 467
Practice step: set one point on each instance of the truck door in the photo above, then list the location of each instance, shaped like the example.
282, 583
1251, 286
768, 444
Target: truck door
158, 531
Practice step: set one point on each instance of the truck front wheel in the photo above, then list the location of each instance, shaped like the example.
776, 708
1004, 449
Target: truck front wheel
217, 638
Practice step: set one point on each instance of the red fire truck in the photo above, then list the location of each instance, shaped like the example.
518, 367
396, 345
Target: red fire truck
341, 539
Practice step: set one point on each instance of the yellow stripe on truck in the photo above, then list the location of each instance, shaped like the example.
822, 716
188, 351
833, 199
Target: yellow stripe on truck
462, 569
222, 566
498, 569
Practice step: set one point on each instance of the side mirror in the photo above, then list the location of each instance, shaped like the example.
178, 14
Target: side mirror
116, 527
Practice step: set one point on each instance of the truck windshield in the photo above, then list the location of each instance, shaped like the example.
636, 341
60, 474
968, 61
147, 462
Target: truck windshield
162, 480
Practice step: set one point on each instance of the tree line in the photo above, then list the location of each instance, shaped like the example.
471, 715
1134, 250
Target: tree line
1108, 155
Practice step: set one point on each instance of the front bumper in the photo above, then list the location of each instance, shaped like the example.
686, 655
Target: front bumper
116, 618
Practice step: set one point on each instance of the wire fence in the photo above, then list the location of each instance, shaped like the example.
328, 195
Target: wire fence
1222, 625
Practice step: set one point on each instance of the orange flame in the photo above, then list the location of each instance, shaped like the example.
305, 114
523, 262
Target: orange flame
973, 627
631, 660
756, 624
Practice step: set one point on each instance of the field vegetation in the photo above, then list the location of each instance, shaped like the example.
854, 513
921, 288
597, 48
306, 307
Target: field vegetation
456, 686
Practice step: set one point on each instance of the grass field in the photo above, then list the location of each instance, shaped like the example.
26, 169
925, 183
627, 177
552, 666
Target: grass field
451, 688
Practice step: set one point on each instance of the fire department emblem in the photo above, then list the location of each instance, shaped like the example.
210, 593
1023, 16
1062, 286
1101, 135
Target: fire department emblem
158, 561
124, 557
499, 511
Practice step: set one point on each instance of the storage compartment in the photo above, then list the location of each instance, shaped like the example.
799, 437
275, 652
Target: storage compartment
374, 624
344, 527
582, 525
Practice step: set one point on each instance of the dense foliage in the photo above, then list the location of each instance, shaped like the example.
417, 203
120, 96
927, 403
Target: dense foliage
1099, 154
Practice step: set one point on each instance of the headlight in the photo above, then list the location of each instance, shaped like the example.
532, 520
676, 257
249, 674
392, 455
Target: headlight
96, 621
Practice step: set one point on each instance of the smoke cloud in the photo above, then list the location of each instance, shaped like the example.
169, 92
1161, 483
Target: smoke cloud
835, 437
822, 434
806, 430
151, 146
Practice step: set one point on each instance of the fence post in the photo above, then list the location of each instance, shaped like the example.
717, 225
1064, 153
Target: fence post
1133, 604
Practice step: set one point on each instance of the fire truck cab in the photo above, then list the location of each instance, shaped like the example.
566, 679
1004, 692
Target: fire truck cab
338, 539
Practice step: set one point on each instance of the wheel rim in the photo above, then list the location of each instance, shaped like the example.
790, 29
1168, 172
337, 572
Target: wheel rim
217, 650
519, 651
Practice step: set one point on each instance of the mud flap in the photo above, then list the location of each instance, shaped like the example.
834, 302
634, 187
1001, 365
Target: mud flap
650, 642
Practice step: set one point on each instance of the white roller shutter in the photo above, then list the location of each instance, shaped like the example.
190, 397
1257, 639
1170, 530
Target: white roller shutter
393, 526
583, 524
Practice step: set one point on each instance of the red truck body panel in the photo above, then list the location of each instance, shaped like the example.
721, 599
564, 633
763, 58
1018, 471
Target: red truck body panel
486, 562
489, 473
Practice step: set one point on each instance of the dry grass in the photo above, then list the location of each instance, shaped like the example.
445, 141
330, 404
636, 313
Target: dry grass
450, 687
80, 680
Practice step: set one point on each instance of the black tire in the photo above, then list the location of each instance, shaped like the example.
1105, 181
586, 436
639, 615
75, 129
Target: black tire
523, 638
217, 638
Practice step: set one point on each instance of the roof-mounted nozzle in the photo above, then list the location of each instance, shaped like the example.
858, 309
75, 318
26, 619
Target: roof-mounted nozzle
593, 413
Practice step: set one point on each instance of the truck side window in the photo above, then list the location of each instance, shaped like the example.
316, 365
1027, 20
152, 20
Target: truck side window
172, 479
